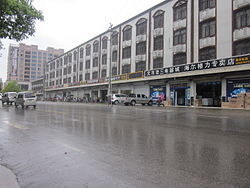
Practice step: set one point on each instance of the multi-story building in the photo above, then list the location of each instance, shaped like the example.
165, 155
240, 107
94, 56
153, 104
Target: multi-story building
26, 62
186, 49
1, 84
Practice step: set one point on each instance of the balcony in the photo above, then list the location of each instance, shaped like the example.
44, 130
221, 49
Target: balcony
180, 24
141, 38
209, 41
126, 43
241, 33
206, 14
240, 3
179, 48
104, 51
126, 61
95, 54
114, 47
158, 32
139, 58
157, 54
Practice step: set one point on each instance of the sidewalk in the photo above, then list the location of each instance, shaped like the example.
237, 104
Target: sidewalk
7, 178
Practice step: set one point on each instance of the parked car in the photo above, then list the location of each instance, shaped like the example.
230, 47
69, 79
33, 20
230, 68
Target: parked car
118, 98
133, 99
25, 99
9, 97
1, 96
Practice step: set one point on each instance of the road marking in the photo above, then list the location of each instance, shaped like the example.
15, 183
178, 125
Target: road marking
211, 116
2, 130
17, 126
68, 146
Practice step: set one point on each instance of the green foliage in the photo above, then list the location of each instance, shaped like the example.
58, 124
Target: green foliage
12, 87
17, 19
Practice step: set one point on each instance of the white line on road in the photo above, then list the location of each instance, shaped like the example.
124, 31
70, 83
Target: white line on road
68, 146
17, 126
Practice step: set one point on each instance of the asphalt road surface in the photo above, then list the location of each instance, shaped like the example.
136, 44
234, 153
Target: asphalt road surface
70, 145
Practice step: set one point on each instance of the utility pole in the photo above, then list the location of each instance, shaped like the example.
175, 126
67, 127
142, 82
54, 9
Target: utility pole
110, 62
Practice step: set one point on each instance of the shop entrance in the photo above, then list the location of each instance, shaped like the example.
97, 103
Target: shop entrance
104, 94
180, 94
209, 93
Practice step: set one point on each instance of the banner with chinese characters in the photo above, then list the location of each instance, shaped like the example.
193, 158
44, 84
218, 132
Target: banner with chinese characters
205, 65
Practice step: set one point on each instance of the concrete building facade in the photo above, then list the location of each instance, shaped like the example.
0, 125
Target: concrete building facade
26, 62
186, 49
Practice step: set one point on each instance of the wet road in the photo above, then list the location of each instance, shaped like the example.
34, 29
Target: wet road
92, 146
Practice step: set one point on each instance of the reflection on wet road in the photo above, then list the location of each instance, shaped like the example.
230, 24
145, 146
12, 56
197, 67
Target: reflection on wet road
83, 145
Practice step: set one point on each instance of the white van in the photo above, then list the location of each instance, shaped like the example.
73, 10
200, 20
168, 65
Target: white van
25, 99
9, 97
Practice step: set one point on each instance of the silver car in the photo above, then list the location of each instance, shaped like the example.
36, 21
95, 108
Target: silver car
25, 99
133, 99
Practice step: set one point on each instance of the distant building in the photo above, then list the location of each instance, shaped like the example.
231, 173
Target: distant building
1, 84
26, 62
37, 87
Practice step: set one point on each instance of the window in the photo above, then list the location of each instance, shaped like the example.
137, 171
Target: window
70, 58
104, 73
65, 80
207, 29
180, 36
88, 50
114, 38
104, 43
74, 68
159, 19
114, 56
180, 59
80, 77
104, 59
126, 69
242, 47
95, 46
158, 63
127, 33
87, 65
81, 66
94, 75
69, 70
65, 60
158, 43
81, 52
207, 54
114, 71
69, 80
180, 12
74, 79
141, 48
141, 27
95, 62
205, 4
242, 18
140, 66
75, 55
87, 76
126, 52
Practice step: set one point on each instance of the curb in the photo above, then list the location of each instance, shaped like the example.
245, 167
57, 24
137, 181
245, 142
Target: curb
7, 178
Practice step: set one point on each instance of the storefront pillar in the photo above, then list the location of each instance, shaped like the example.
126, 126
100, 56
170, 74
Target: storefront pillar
223, 90
168, 92
193, 92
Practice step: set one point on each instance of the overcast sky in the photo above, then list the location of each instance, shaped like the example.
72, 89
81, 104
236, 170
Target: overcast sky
68, 23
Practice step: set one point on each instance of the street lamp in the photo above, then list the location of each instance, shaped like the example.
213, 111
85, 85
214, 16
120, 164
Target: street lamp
110, 60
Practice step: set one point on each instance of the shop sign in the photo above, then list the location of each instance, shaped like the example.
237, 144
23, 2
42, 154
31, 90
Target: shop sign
117, 77
235, 87
135, 75
92, 81
205, 65
83, 82
157, 91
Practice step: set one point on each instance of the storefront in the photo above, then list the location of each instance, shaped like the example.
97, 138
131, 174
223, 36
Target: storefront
157, 91
209, 93
237, 86
180, 94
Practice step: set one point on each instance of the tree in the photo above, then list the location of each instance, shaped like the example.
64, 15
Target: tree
17, 19
12, 87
